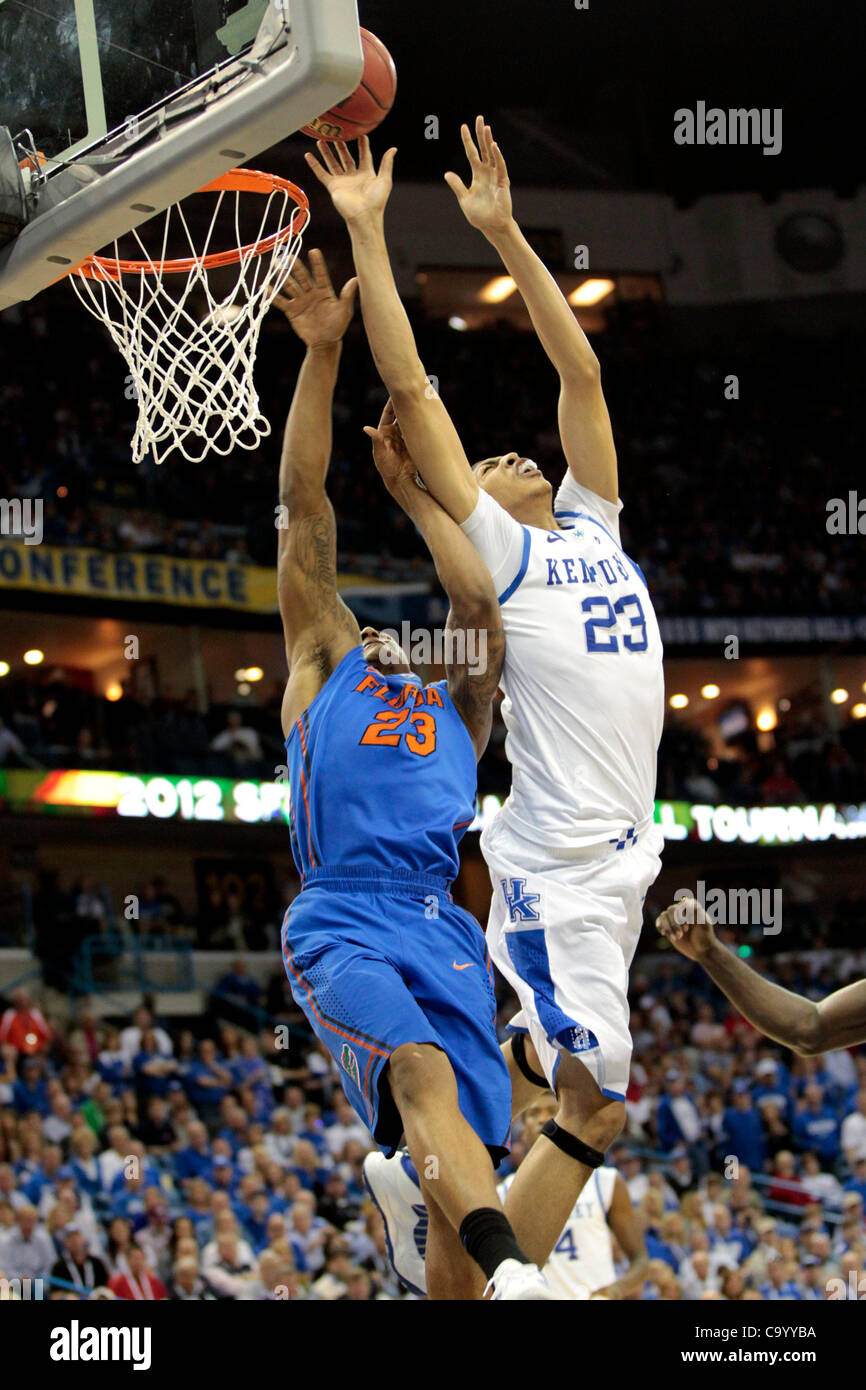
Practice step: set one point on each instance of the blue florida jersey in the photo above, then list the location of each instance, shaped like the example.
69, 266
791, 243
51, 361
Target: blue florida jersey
382, 772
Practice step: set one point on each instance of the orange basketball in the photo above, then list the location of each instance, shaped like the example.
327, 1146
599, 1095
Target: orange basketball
368, 105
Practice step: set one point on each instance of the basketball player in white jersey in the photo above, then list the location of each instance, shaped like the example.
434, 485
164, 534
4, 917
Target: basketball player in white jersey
574, 850
582, 1265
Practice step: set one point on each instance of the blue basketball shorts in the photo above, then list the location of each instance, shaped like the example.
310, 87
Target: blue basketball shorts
377, 959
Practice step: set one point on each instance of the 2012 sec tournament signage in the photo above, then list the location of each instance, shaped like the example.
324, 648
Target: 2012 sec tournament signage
87, 791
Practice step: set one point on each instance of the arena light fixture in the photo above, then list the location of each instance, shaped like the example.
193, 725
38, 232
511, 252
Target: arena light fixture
33, 657
710, 692
4, 668
859, 710
784, 704
240, 674
838, 696
766, 720
253, 673
590, 292
497, 290
457, 323
114, 691
244, 688
678, 701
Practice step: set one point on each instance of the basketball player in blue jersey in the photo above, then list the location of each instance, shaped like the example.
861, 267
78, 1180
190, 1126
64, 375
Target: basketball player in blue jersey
574, 849
392, 976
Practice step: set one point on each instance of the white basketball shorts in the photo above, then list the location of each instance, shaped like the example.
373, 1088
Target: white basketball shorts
563, 932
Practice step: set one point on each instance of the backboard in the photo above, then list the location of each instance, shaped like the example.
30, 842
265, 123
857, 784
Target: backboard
132, 105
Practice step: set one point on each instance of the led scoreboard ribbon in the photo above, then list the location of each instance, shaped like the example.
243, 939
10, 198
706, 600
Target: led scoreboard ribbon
96, 793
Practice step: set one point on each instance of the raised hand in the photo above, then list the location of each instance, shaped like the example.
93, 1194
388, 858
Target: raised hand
357, 190
390, 454
686, 925
309, 302
486, 204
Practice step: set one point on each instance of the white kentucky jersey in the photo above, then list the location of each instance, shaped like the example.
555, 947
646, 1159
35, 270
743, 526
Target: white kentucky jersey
583, 682
582, 1260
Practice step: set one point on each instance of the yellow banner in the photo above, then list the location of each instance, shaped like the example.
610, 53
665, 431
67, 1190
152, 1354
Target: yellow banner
139, 578
93, 574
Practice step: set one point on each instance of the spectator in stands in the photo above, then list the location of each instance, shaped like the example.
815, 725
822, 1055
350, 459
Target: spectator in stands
156, 1131
816, 1125
77, 1265
208, 1081
853, 1132
786, 1186
154, 1073
823, 1188
137, 1282
24, 1027
30, 1092
240, 744
195, 1160
26, 1251
240, 991
186, 1284
677, 1119
130, 1038
228, 1265
743, 1132
857, 1181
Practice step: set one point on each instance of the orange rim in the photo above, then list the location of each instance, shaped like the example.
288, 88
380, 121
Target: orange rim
235, 181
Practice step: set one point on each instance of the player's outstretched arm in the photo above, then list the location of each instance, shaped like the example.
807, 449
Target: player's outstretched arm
318, 627
360, 194
584, 423
475, 619
798, 1023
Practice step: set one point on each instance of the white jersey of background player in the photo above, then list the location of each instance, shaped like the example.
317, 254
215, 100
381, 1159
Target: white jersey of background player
582, 1259
574, 850
582, 1262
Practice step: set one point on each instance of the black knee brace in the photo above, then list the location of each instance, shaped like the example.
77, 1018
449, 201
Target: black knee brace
518, 1052
571, 1145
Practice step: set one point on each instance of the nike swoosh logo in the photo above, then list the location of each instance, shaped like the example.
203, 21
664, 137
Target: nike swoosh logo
467, 966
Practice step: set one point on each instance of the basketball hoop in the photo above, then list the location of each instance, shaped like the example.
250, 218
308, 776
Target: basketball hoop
192, 371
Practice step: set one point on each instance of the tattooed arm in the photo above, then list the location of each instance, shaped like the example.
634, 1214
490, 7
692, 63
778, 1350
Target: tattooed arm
476, 637
319, 629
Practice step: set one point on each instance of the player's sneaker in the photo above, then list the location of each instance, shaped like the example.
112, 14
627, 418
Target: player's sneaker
393, 1186
514, 1282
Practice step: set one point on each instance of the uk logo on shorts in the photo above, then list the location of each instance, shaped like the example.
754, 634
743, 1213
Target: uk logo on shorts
520, 908
349, 1063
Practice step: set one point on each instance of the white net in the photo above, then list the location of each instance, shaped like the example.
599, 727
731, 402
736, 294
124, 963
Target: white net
190, 347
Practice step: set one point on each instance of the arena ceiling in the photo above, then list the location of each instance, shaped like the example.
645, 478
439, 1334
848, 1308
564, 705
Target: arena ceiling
586, 98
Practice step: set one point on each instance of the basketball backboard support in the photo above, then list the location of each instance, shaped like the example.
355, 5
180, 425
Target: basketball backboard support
132, 105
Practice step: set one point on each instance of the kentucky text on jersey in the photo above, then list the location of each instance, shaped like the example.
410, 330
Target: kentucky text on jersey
381, 772
583, 683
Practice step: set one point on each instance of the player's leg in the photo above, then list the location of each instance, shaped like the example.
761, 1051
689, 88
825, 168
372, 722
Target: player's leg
524, 1070
343, 952
555, 1171
568, 969
456, 1165
450, 1273
471, 1083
